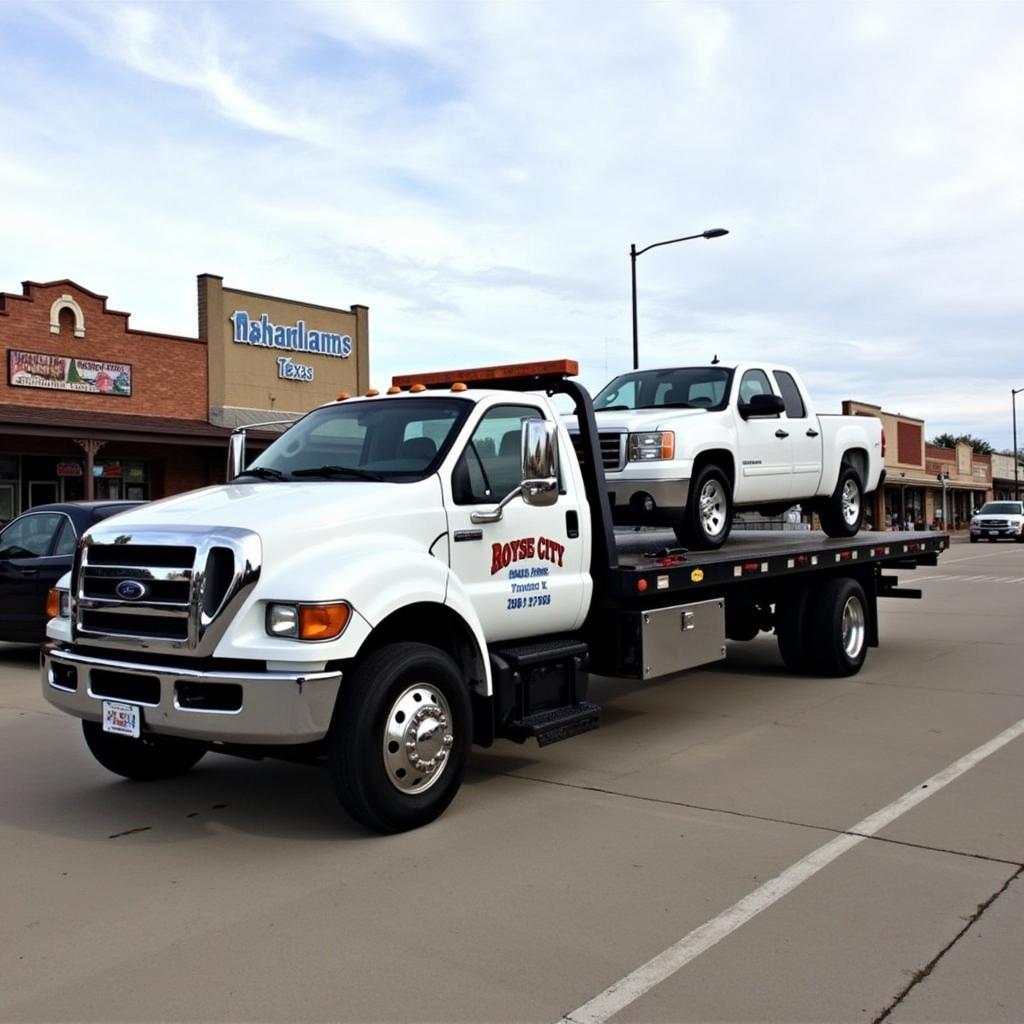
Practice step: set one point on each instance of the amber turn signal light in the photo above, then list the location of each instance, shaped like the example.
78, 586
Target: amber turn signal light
53, 604
322, 621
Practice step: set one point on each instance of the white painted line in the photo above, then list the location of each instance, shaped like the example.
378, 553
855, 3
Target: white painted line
636, 984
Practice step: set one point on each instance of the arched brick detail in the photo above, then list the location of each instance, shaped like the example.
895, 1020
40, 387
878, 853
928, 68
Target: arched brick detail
66, 302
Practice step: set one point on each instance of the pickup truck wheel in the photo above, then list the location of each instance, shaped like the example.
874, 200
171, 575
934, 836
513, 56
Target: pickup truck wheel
842, 514
145, 760
398, 745
707, 518
793, 632
839, 627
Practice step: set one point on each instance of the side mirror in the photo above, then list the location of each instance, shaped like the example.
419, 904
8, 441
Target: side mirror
540, 463
761, 405
236, 454
539, 486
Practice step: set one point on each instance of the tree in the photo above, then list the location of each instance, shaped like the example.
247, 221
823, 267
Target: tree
73, 375
947, 440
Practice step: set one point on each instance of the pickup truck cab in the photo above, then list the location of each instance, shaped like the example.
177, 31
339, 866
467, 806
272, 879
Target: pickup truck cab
400, 576
685, 446
998, 520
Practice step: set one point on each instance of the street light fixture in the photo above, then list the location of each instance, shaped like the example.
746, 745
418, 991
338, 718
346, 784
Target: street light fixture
634, 252
1014, 392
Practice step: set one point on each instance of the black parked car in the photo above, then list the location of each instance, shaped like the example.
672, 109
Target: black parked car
36, 549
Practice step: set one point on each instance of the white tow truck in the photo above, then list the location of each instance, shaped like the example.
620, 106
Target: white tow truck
399, 576
684, 446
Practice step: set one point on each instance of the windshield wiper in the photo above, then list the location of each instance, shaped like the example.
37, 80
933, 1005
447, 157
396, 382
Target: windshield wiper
262, 473
610, 408
338, 471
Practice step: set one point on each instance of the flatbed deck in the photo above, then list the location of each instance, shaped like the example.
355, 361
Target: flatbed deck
652, 561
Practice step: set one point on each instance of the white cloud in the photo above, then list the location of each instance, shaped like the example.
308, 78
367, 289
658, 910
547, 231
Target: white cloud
476, 173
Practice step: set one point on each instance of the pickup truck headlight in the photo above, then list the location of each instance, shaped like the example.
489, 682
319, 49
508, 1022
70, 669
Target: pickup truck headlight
655, 444
58, 604
308, 621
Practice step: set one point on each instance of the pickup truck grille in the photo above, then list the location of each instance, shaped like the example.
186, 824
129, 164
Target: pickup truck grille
158, 589
995, 524
613, 448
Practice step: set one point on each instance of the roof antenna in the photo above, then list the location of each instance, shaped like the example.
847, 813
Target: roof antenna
714, 362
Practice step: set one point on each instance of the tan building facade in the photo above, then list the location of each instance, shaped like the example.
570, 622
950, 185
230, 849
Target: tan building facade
270, 356
925, 486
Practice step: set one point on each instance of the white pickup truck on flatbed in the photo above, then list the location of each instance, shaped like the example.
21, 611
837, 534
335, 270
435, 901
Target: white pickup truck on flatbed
400, 576
685, 446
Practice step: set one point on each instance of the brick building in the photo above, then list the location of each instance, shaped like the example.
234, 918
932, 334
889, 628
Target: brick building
92, 407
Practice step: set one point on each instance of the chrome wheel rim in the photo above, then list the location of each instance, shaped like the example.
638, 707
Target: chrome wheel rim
711, 508
417, 739
851, 502
854, 627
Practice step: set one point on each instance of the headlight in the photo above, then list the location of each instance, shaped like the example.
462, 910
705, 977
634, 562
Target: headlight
58, 604
308, 621
654, 445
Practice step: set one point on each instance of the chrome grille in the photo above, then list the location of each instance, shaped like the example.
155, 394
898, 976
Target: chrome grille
995, 524
612, 444
161, 589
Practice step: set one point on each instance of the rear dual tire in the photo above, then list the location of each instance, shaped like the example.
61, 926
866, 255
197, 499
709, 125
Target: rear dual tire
824, 630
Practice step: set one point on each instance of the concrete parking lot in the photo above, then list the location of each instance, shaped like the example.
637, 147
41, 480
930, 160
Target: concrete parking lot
241, 891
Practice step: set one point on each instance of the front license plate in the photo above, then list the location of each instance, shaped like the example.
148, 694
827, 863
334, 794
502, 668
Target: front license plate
121, 719
992, 533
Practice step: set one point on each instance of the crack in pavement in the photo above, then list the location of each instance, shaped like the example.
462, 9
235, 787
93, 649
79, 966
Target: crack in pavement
923, 973
759, 817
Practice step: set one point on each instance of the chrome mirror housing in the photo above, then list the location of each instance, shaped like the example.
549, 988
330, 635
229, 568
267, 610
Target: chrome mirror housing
540, 463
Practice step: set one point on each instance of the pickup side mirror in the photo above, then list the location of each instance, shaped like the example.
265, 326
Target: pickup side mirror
761, 405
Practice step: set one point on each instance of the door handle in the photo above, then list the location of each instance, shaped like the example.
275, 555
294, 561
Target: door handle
29, 572
812, 433
781, 433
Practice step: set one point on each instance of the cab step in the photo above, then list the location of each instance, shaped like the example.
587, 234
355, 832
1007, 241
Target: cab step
539, 691
555, 724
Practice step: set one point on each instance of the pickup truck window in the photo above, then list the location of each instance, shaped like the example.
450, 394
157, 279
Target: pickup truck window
790, 395
399, 439
754, 382
491, 464
701, 387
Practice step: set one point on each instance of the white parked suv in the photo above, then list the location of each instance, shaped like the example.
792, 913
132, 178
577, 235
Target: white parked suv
998, 519
684, 446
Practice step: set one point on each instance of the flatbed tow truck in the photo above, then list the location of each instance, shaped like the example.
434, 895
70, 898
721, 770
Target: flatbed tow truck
399, 576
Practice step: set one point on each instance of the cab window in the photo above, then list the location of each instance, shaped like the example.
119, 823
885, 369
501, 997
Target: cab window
491, 464
754, 382
790, 395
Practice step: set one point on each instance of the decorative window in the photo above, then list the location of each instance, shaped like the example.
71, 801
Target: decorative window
65, 311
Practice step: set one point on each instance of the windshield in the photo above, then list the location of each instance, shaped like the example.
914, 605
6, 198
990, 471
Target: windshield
689, 387
396, 439
1001, 508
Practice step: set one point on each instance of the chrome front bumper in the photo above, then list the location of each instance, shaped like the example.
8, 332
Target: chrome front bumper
272, 707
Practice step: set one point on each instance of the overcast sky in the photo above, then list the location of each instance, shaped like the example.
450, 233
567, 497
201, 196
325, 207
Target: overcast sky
476, 172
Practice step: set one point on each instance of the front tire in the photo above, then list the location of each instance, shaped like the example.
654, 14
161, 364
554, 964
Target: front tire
842, 514
144, 760
707, 518
398, 745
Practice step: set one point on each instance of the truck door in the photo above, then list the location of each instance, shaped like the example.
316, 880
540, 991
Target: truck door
762, 448
804, 438
525, 574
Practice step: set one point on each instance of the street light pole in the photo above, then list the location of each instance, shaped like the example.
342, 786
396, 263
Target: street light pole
1014, 392
634, 252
